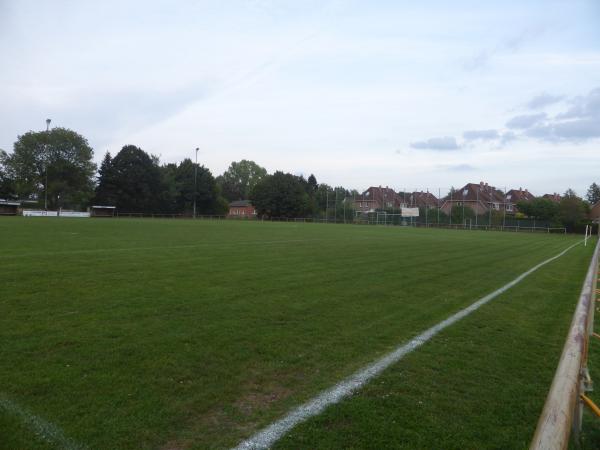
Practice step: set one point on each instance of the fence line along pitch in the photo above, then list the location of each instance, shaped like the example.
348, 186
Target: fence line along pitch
562, 413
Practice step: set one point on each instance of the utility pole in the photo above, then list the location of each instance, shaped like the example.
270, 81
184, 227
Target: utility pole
47, 160
195, 180
335, 207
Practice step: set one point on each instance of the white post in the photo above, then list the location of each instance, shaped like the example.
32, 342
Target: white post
586, 236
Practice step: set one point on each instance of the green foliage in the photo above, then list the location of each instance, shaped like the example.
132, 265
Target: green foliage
239, 179
134, 182
572, 210
207, 191
7, 187
462, 215
312, 183
539, 208
281, 195
61, 156
131, 181
593, 194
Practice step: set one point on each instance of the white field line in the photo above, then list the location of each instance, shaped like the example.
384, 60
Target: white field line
44, 430
269, 435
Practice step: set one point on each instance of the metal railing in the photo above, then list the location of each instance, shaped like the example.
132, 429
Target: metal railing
562, 413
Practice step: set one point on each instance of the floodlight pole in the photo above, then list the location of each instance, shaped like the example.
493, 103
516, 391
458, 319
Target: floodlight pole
195, 180
46, 158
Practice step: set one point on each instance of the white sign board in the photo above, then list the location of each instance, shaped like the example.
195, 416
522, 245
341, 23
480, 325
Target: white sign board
74, 214
38, 213
410, 212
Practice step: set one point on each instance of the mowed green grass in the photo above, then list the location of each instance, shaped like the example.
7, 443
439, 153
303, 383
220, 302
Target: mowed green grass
195, 334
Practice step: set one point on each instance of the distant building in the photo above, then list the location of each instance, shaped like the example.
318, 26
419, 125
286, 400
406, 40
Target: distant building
595, 213
556, 198
9, 208
515, 196
479, 197
377, 198
242, 209
422, 200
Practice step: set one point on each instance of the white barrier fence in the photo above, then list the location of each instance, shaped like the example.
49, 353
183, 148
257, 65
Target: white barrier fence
42, 213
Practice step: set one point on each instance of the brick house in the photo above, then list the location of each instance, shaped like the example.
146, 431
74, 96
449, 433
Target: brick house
556, 198
377, 198
242, 209
479, 197
595, 213
515, 196
421, 199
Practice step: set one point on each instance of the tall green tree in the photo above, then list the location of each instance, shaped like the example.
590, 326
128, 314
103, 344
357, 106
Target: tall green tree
572, 210
133, 181
281, 195
239, 179
312, 183
204, 189
7, 187
56, 163
593, 194
106, 189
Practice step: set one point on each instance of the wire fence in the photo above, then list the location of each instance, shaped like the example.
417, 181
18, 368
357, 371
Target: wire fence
518, 226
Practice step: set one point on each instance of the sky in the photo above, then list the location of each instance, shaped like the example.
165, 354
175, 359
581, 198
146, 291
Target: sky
410, 95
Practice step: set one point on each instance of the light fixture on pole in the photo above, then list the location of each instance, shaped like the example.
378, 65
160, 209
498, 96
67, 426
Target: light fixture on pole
195, 180
46, 164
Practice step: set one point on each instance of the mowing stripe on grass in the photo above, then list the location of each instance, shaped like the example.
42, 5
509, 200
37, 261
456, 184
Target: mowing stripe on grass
162, 247
44, 430
269, 435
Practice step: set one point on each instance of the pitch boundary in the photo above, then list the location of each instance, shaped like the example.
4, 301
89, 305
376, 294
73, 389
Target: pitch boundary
272, 433
43, 429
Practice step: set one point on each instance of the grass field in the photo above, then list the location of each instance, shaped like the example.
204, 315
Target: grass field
164, 334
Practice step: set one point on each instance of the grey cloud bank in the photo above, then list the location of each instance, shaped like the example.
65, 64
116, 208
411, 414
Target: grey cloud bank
525, 121
481, 134
436, 143
544, 99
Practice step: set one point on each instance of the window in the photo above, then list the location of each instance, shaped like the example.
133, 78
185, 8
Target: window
465, 192
509, 196
509, 207
496, 206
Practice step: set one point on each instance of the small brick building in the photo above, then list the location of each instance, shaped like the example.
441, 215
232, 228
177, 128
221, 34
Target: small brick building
242, 209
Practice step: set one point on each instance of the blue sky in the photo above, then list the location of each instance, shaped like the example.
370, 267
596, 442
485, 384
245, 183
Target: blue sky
408, 95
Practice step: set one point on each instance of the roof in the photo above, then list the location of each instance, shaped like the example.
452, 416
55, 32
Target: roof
481, 192
519, 195
422, 199
9, 203
381, 195
240, 204
554, 197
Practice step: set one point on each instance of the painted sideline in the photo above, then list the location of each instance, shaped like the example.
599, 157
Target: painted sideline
44, 430
269, 435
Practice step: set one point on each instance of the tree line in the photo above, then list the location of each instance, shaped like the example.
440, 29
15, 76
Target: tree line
55, 169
